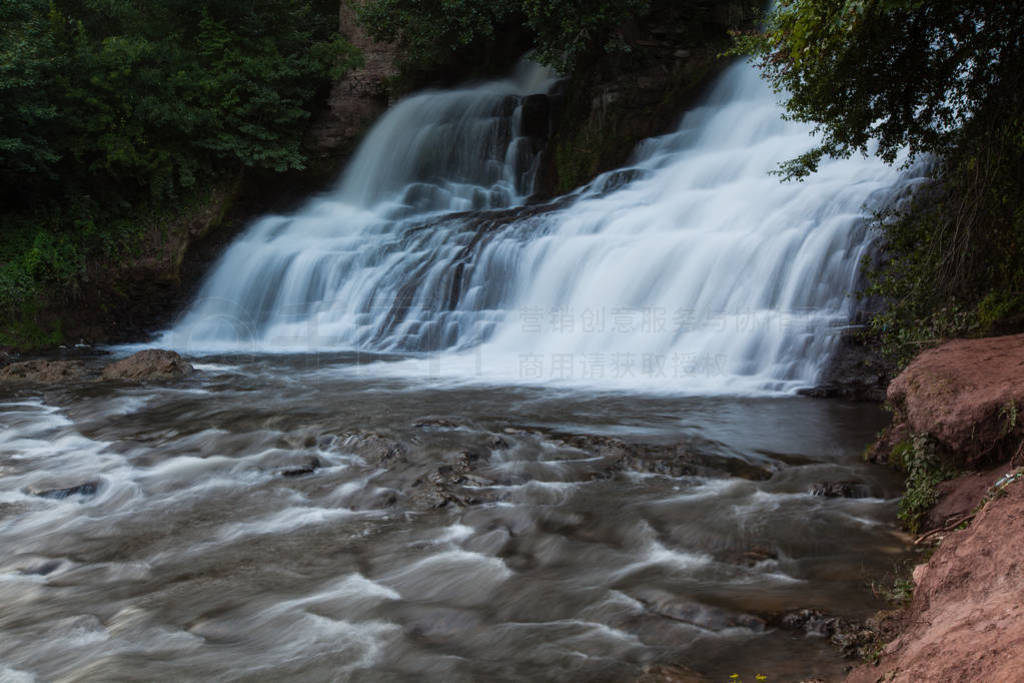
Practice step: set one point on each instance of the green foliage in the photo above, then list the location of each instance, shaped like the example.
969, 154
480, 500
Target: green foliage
108, 106
567, 31
898, 588
564, 32
918, 458
429, 33
955, 263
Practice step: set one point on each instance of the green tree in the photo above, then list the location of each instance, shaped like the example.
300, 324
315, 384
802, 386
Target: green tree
563, 32
567, 31
29, 61
913, 74
430, 33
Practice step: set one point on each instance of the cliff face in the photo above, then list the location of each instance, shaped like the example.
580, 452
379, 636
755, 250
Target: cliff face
965, 394
604, 109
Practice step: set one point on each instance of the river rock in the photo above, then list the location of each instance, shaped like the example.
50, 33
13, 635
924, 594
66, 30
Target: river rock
149, 365
849, 636
690, 458
856, 371
751, 557
697, 613
376, 449
840, 489
453, 484
436, 423
45, 371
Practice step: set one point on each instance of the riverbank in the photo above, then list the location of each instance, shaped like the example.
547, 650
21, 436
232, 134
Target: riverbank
955, 410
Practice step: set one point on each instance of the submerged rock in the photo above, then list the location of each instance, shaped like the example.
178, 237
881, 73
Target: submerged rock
89, 488
698, 614
438, 423
670, 673
692, 458
149, 365
45, 371
375, 448
453, 484
751, 557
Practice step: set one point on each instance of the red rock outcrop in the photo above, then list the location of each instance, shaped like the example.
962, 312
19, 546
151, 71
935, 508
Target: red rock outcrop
966, 394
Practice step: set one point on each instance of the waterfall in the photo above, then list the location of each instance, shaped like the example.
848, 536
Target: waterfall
694, 269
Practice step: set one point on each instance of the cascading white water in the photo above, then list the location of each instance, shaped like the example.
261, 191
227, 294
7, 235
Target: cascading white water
693, 270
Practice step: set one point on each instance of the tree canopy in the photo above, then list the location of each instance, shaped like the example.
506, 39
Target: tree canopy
899, 74
563, 31
101, 93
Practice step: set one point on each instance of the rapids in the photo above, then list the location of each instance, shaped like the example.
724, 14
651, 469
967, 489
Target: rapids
294, 518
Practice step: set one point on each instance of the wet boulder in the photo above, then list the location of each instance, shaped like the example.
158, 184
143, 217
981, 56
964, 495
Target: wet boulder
376, 449
44, 371
89, 488
149, 365
301, 469
450, 485
840, 489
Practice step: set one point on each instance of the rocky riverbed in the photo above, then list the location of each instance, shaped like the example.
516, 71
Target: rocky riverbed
309, 516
